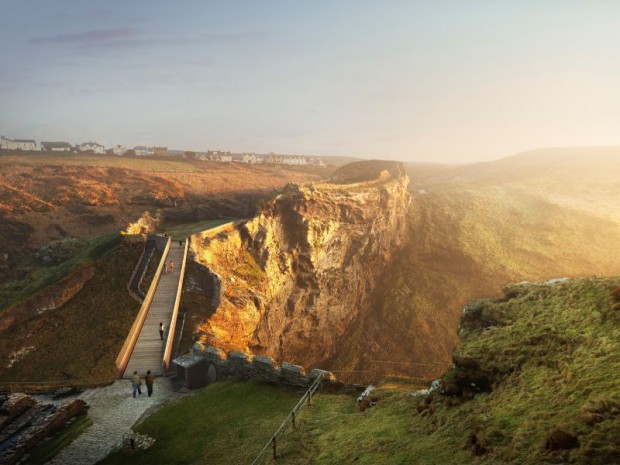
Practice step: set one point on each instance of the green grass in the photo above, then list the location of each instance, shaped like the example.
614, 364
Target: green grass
179, 231
96, 249
553, 363
49, 448
228, 422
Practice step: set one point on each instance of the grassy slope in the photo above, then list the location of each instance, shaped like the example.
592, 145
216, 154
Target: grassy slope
552, 362
12, 292
45, 197
81, 339
228, 422
180, 231
478, 228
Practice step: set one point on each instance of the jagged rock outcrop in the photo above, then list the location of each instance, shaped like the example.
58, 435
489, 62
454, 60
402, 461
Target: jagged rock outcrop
24, 422
50, 298
291, 279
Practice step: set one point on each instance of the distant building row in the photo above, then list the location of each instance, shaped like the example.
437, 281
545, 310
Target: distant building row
253, 158
144, 151
94, 147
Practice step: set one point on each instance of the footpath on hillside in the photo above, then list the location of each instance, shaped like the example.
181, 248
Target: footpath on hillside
113, 411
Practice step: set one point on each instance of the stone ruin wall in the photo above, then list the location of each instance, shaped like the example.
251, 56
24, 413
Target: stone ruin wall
242, 365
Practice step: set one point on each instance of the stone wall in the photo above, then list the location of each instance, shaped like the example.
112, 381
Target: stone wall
204, 364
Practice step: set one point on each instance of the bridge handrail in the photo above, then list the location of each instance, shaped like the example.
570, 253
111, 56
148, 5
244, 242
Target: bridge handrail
175, 312
123, 357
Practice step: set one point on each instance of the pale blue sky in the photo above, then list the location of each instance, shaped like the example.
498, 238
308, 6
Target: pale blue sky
447, 81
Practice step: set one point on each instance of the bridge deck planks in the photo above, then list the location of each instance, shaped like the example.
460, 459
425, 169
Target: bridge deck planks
149, 349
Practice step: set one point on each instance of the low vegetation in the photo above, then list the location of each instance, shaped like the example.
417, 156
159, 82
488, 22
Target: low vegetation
228, 422
41, 276
466, 239
180, 231
533, 382
80, 339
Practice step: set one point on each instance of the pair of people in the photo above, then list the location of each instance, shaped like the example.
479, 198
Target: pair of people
136, 383
169, 268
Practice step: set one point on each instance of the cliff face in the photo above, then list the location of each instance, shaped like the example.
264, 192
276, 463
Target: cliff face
292, 279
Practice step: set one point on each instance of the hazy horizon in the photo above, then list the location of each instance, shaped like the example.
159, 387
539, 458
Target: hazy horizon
449, 83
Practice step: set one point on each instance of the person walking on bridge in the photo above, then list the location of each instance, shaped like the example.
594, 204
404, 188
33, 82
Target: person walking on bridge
148, 379
161, 330
171, 269
136, 382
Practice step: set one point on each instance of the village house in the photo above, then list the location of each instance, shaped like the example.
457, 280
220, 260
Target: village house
219, 156
250, 158
56, 146
143, 151
91, 147
119, 150
18, 144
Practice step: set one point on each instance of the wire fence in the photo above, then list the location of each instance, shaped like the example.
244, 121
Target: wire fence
289, 421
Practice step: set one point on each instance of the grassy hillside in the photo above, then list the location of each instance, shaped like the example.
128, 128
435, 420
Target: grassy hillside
47, 197
80, 339
81, 253
534, 382
228, 422
535, 216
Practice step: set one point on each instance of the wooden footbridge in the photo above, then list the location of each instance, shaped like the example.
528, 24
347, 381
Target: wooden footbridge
144, 349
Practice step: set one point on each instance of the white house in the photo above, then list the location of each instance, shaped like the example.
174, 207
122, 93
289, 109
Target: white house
250, 158
56, 146
219, 156
18, 144
118, 150
91, 147
142, 151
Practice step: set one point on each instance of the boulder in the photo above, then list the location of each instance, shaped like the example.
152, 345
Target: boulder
293, 374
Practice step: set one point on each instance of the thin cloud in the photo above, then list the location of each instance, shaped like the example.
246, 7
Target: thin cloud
94, 36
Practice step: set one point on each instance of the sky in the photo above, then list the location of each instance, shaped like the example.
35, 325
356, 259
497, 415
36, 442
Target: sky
441, 81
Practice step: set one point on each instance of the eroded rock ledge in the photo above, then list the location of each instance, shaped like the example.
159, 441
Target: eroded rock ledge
291, 279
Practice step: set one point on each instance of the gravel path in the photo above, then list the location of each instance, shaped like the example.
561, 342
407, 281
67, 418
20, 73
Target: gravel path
113, 411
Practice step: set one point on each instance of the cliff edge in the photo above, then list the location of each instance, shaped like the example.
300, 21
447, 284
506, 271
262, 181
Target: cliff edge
288, 282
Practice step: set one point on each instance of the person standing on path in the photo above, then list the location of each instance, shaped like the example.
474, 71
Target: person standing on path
149, 382
171, 266
161, 330
136, 382
180, 243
